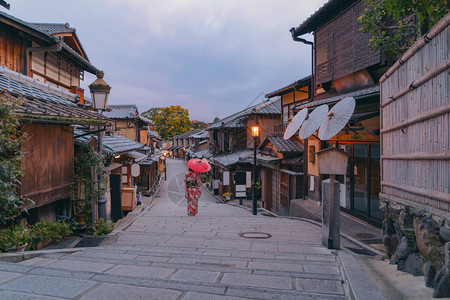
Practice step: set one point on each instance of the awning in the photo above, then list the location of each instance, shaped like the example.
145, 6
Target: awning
113, 166
359, 94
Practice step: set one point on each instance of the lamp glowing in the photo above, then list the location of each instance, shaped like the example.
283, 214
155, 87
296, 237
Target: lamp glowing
255, 131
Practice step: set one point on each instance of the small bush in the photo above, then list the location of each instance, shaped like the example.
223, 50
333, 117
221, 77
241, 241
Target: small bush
49, 232
101, 227
14, 237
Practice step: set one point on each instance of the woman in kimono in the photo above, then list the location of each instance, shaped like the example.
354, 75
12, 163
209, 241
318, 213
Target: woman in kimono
193, 191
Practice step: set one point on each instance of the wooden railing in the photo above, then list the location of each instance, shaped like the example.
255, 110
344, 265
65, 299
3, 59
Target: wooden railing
280, 127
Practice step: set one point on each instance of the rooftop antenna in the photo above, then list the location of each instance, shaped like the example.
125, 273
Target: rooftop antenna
313, 121
337, 118
295, 123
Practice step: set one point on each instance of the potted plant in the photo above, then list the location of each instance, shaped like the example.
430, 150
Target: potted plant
227, 195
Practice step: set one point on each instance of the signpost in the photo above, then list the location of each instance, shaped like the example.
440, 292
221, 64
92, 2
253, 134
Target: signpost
331, 161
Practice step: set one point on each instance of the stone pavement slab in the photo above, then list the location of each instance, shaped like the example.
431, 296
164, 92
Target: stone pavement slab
24, 296
48, 286
6, 276
196, 275
150, 272
158, 252
251, 280
109, 291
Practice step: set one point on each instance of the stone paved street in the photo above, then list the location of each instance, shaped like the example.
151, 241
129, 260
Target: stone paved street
159, 252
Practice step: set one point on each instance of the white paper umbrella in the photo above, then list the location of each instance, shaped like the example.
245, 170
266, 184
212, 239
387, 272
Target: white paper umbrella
337, 118
295, 124
313, 121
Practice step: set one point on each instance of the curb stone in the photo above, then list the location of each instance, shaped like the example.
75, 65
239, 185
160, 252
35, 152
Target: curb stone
361, 287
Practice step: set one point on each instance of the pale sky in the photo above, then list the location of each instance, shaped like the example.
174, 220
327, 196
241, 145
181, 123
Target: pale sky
211, 57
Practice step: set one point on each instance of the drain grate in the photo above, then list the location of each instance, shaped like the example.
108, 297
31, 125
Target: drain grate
255, 235
91, 242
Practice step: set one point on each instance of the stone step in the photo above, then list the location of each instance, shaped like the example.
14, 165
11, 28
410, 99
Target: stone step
47, 280
313, 270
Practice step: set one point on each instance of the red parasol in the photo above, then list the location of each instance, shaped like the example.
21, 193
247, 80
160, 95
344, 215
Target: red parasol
199, 165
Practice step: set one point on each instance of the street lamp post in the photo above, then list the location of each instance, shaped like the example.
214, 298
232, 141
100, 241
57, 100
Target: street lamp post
255, 135
165, 165
99, 93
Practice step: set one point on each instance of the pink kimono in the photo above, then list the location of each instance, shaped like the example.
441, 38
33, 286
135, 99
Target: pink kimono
193, 192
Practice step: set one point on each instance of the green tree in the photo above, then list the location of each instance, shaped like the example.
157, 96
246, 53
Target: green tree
171, 121
150, 114
394, 25
10, 157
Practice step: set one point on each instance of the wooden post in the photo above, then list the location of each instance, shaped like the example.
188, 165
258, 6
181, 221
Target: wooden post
330, 227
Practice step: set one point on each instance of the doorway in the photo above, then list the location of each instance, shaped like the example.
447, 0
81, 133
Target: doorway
361, 185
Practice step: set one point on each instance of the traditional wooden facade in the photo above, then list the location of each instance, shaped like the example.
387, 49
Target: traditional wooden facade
291, 95
46, 117
281, 163
182, 142
128, 123
44, 63
231, 143
346, 67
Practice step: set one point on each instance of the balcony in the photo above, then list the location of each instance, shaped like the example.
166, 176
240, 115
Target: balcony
280, 128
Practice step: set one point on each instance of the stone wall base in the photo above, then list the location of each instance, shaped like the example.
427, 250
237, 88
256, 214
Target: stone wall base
418, 242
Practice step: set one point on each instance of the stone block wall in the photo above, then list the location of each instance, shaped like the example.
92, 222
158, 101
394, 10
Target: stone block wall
418, 242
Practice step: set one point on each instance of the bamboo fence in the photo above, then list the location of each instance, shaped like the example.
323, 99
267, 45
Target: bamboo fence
415, 125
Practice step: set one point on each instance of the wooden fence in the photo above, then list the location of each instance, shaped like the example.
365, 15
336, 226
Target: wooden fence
415, 125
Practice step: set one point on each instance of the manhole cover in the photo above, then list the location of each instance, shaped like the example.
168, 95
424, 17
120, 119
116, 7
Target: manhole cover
363, 235
255, 235
91, 242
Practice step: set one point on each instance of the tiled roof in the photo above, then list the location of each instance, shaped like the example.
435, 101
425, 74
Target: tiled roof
45, 102
154, 135
269, 107
150, 159
112, 145
121, 144
122, 112
302, 82
285, 146
145, 120
201, 135
244, 156
324, 14
374, 90
46, 34
138, 157
186, 134
204, 153
55, 27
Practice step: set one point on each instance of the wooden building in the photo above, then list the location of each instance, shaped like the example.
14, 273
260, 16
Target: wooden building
182, 142
44, 63
200, 148
231, 143
291, 95
128, 123
281, 163
344, 66
46, 117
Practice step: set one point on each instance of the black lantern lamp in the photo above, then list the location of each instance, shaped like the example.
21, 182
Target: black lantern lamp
100, 92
